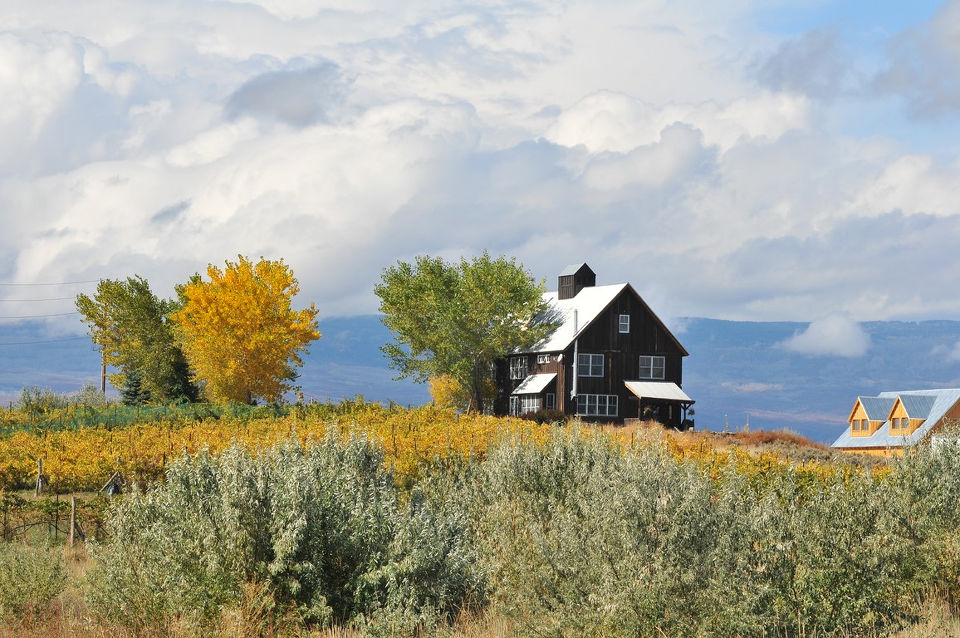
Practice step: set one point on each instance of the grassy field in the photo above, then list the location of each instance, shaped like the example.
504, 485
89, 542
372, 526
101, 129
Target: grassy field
359, 519
68, 616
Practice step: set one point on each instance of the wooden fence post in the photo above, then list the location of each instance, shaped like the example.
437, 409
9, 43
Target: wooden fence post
73, 517
39, 477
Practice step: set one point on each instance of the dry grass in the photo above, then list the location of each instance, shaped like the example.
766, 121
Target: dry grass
782, 442
937, 621
68, 616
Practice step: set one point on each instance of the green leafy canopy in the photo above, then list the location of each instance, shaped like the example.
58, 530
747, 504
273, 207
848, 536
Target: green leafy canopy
457, 318
130, 325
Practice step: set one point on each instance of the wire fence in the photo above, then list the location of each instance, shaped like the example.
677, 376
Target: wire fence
56, 518
119, 416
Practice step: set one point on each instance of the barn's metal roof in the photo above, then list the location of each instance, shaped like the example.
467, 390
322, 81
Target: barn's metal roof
535, 383
939, 400
572, 269
658, 390
589, 303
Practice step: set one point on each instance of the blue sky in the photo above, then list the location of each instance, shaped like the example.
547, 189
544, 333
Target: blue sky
756, 160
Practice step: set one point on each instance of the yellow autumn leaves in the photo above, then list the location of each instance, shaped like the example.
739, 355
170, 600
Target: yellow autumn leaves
83, 459
239, 332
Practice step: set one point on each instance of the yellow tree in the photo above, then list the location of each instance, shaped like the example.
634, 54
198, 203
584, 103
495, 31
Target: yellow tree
240, 334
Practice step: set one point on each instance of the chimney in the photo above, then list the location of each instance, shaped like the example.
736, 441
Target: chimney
573, 279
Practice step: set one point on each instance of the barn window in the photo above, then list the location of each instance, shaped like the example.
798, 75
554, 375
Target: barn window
549, 401
651, 367
543, 358
590, 365
518, 367
624, 324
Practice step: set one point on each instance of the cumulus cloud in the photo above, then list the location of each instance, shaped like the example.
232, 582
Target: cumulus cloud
345, 136
923, 64
835, 336
606, 121
813, 63
295, 97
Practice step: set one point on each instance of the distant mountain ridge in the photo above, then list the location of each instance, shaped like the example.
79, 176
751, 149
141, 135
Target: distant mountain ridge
738, 372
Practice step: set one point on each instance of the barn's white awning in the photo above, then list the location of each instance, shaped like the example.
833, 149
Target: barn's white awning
663, 390
535, 383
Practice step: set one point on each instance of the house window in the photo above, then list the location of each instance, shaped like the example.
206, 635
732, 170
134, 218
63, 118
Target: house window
543, 358
518, 367
597, 404
590, 365
651, 367
529, 403
524, 404
549, 401
624, 324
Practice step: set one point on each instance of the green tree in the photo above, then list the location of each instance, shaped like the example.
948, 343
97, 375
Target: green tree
456, 319
130, 325
133, 392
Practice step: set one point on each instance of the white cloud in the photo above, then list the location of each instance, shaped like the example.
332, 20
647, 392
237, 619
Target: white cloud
923, 63
752, 386
345, 136
832, 336
606, 121
813, 63
951, 353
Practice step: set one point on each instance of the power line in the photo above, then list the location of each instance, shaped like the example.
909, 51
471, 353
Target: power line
31, 343
59, 314
44, 299
51, 283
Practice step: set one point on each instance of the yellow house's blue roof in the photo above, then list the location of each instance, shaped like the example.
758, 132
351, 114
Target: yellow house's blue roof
929, 405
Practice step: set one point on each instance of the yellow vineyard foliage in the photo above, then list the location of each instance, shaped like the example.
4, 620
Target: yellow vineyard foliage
84, 459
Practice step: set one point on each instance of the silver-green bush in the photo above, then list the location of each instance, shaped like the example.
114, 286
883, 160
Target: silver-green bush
30, 577
321, 527
582, 539
576, 537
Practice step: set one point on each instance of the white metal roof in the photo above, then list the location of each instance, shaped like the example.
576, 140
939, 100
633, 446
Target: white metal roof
658, 390
535, 383
588, 303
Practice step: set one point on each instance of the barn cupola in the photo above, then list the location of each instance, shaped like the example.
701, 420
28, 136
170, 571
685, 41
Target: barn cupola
573, 279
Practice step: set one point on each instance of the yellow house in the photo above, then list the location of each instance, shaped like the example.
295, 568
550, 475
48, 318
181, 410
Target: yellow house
885, 424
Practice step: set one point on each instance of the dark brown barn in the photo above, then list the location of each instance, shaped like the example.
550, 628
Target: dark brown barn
629, 365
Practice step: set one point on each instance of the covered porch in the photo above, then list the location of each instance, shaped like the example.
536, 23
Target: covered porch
662, 401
